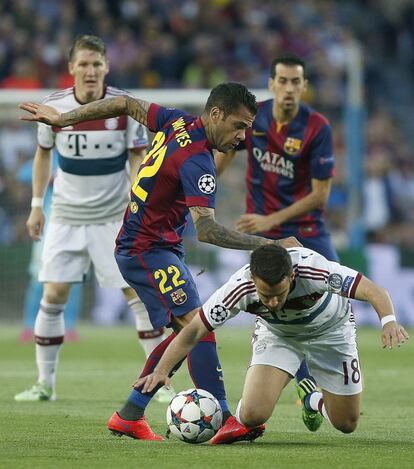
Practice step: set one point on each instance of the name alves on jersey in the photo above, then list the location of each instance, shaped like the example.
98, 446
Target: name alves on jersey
182, 136
274, 163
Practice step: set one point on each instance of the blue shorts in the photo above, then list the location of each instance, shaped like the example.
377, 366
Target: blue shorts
163, 283
322, 244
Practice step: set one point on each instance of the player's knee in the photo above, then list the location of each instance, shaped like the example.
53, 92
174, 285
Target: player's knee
253, 417
55, 294
347, 425
52, 299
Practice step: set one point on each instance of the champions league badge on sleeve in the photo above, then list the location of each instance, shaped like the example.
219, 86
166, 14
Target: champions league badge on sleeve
207, 183
335, 281
179, 296
219, 314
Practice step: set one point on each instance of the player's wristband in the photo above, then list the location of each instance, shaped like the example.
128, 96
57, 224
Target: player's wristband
387, 319
37, 202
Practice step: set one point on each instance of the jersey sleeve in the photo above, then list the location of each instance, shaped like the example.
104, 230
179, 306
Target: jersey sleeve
322, 275
226, 302
198, 179
321, 154
45, 136
158, 116
136, 135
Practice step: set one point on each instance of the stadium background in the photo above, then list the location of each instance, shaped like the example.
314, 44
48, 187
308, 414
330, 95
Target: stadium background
155, 49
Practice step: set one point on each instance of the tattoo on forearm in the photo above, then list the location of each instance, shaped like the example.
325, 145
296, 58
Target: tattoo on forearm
211, 232
137, 109
101, 109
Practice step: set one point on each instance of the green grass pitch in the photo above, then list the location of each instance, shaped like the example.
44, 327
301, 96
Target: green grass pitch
94, 379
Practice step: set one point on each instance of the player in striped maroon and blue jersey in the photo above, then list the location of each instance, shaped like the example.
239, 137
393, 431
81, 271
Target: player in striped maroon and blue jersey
290, 163
176, 177
155, 219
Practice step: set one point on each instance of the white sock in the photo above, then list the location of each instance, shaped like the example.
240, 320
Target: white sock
316, 403
237, 413
49, 331
148, 337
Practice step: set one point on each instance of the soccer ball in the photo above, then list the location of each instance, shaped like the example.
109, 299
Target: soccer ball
194, 416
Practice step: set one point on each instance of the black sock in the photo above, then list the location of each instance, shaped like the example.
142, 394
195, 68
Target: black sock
226, 415
130, 411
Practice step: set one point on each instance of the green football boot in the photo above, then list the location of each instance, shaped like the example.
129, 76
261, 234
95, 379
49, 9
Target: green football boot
311, 418
164, 395
39, 392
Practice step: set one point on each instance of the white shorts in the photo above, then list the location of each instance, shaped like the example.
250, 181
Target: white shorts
69, 250
332, 357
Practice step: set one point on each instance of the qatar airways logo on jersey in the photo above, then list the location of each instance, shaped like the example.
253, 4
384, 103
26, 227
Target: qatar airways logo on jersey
274, 163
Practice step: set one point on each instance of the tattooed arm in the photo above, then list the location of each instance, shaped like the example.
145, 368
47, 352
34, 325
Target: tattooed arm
101, 109
209, 231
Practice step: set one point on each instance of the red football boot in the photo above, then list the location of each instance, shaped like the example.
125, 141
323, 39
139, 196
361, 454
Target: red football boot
233, 431
138, 429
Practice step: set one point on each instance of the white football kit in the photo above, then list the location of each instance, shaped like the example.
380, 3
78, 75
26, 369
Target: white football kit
90, 192
316, 322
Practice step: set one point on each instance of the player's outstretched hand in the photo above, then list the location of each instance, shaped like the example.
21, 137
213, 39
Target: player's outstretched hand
152, 380
41, 113
393, 335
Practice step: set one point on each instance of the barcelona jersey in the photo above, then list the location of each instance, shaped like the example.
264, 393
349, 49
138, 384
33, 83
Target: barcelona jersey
282, 161
178, 172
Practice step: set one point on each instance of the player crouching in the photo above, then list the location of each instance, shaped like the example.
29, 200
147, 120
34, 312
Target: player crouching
302, 308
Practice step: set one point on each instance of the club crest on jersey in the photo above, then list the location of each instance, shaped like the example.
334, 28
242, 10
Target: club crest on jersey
133, 206
292, 146
207, 183
179, 296
111, 124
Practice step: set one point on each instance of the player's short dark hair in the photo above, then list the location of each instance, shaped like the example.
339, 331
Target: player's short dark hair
87, 41
271, 263
289, 59
229, 97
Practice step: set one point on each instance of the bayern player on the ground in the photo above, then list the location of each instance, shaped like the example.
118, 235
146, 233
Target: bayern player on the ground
302, 308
